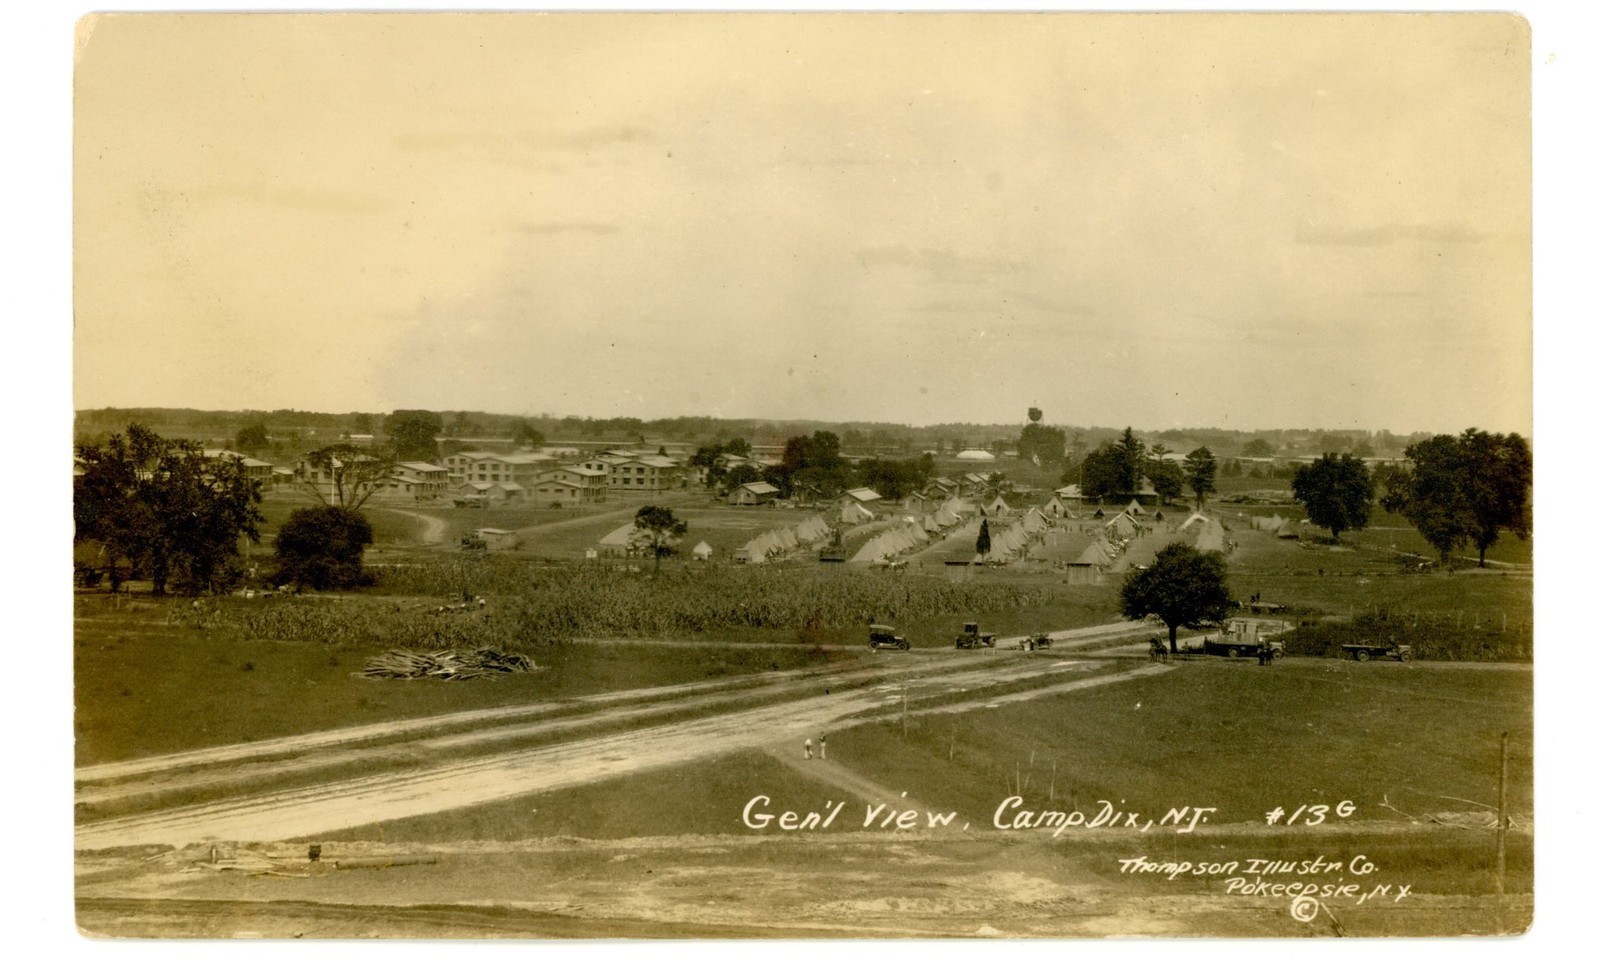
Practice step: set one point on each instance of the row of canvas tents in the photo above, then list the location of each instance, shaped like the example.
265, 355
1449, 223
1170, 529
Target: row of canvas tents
782, 541
914, 532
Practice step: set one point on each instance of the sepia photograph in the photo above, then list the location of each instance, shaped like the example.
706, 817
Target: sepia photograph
802, 476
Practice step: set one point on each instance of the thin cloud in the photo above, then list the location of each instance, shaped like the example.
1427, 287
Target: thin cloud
944, 265
544, 140
1386, 234
566, 227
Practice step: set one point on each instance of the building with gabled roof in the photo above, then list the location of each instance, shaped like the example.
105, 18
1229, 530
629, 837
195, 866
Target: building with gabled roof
756, 492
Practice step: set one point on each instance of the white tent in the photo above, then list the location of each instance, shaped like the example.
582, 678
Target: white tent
702, 551
853, 513
996, 507
811, 530
618, 542
1123, 525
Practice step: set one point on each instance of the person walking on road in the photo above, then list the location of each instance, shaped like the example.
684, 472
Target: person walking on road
808, 749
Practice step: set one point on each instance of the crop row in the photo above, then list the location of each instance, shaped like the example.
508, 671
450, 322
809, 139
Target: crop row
551, 605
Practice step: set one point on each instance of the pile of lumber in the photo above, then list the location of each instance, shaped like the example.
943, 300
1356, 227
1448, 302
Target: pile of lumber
447, 664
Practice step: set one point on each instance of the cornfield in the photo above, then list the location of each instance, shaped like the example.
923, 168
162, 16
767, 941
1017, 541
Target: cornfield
531, 604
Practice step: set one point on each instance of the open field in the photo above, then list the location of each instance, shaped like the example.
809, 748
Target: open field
602, 795
665, 852
144, 688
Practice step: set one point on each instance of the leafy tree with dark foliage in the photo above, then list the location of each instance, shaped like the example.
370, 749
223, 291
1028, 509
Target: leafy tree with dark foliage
252, 439
1464, 489
525, 435
1131, 468
660, 528
1337, 492
985, 543
811, 465
1201, 467
1166, 479
413, 434
164, 508
1044, 445
1183, 587
352, 471
322, 547
895, 479
1499, 471
1114, 468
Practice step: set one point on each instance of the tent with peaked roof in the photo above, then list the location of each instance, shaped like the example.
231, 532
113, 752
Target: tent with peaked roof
1134, 507
852, 513
812, 530
996, 507
619, 541
1123, 525
1195, 518
702, 551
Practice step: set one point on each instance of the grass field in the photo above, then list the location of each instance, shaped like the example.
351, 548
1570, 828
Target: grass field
1405, 746
141, 688
1242, 738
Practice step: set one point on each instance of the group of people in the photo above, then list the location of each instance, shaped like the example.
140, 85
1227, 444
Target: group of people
822, 747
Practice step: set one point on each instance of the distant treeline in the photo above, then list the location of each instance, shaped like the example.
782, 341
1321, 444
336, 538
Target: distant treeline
290, 429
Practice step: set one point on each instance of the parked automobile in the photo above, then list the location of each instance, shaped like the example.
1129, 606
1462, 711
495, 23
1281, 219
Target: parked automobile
1361, 652
972, 638
886, 637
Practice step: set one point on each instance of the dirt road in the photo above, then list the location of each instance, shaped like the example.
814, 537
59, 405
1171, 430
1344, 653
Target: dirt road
450, 771
433, 528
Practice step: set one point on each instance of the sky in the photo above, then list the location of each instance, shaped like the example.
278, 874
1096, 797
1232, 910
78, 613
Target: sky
1249, 221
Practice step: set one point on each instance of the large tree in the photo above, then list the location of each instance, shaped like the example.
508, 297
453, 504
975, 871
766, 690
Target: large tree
1166, 479
660, 529
1337, 492
1201, 467
413, 434
985, 543
1463, 489
1101, 472
352, 472
322, 547
1132, 466
812, 465
1182, 587
1045, 446
252, 439
1499, 474
1113, 468
164, 508
525, 435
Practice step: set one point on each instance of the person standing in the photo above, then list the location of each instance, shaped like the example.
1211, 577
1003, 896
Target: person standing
822, 746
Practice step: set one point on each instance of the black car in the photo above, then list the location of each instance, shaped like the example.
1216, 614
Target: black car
886, 637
